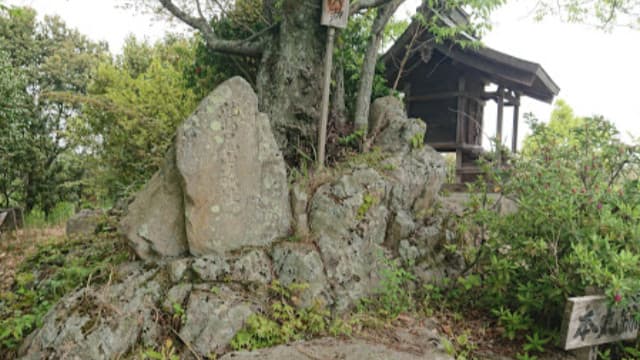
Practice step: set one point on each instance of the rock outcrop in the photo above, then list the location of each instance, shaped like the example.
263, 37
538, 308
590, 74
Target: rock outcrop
215, 221
222, 187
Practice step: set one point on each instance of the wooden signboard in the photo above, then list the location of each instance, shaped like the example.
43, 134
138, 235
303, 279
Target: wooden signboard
590, 321
335, 13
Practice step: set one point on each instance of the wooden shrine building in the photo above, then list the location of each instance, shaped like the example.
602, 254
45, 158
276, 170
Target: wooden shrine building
446, 86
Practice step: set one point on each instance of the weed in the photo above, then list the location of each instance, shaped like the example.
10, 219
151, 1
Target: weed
512, 321
166, 352
178, 312
417, 141
352, 139
393, 296
460, 347
535, 343
368, 200
283, 322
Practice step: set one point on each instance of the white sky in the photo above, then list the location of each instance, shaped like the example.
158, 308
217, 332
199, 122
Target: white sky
598, 72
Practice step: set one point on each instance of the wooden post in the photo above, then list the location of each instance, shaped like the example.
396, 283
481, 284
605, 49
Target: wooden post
328, 64
516, 115
500, 101
460, 128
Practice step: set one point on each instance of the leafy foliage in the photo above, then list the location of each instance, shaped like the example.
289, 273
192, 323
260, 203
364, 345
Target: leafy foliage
577, 225
41, 60
394, 295
284, 322
134, 107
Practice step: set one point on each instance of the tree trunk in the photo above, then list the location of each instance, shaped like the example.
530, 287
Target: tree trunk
289, 82
363, 100
338, 104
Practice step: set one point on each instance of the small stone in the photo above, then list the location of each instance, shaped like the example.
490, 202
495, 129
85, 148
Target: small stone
254, 267
408, 253
212, 320
301, 265
299, 201
211, 267
176, 295
401, 227
177, 269
84, 223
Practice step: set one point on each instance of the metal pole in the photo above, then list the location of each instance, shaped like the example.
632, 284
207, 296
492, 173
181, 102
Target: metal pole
324, 115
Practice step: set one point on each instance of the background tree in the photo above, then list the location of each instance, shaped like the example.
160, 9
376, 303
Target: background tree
14, 145
560, 126
52, 60
288, 48
133, 107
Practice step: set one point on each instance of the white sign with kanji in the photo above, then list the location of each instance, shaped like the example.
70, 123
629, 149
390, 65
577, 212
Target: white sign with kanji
335, 13
592, 320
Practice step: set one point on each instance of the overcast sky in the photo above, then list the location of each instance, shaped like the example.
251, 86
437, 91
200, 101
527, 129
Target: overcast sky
598, 72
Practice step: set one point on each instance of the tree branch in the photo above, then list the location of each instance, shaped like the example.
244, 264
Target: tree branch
235, 47
358, 5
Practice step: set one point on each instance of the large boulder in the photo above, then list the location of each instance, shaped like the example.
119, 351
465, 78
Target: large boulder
233, 173
224, 172
154, 224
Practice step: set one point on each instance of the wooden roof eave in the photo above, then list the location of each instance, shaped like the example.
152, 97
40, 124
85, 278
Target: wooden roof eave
521, 75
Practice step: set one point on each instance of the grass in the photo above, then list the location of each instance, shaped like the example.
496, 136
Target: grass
55, 267
59, 215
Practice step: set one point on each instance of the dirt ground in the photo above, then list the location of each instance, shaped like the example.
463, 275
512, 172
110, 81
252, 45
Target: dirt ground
14, 247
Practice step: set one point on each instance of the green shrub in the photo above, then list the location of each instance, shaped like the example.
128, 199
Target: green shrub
577, 226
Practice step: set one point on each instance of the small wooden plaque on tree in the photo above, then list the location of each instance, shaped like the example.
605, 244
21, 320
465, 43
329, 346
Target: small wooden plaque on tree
335, 13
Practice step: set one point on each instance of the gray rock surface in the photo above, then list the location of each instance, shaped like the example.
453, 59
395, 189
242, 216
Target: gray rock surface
338, 349
400, 228
101, 323
233, 173
212, 319
417, 172
254, 267
84, 223
176, 296
300, 264
154, 224
341, 215
211, 267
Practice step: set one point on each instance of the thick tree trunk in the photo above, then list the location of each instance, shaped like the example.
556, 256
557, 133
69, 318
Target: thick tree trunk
289, 81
